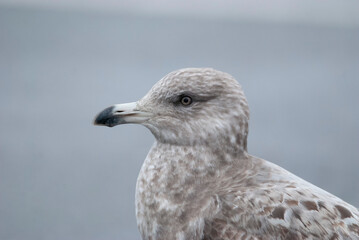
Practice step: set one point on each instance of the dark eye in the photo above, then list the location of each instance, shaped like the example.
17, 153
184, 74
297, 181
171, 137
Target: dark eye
185, 100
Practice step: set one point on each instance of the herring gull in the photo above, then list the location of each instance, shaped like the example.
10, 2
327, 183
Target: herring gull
198, 180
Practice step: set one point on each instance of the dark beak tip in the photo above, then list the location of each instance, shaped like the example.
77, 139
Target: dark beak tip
96, 123
104, 117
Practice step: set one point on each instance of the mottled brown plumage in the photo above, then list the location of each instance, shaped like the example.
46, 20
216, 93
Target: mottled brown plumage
199, 182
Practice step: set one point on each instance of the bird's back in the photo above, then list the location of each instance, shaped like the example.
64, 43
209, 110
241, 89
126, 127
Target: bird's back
267, 202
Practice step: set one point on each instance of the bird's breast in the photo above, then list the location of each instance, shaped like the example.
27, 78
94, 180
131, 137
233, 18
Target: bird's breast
169, 179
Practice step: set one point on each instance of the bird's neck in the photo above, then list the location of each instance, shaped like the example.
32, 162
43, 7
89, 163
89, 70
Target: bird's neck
206, 156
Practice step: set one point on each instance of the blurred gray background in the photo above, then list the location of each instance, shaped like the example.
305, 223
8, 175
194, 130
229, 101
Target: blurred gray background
61, 62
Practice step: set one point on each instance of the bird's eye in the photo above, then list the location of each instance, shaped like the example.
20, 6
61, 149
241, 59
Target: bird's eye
185, 100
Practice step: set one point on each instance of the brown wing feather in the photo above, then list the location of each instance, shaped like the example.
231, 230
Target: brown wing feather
279, 205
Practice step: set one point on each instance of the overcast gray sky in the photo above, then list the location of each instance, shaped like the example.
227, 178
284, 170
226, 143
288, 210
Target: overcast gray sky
329, 12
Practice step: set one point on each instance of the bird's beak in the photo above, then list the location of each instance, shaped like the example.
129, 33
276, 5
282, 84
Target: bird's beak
121, 114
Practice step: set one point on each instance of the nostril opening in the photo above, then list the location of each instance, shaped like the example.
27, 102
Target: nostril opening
119, 111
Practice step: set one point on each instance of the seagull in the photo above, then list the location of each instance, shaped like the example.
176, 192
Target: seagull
198, 181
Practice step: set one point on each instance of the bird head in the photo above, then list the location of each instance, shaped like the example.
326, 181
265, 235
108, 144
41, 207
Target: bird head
190, 106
